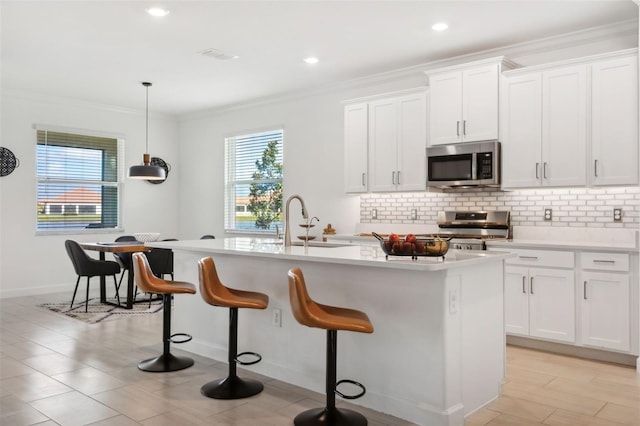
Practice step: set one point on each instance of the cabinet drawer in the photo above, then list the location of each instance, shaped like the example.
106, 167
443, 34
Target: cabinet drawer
550, 258
605, 261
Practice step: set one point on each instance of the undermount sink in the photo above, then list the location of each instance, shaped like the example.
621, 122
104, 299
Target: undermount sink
320, 244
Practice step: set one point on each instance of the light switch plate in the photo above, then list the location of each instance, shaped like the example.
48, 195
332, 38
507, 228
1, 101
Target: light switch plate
548, 214
414, 214
374, 214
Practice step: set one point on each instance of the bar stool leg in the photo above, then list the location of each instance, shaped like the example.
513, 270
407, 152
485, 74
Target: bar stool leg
167, 361
330, 415
232, 387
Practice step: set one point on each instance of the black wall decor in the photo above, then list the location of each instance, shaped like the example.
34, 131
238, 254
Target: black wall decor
8, 161
157, 161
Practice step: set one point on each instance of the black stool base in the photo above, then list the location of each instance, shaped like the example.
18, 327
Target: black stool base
165, 363
231, 388
330, 417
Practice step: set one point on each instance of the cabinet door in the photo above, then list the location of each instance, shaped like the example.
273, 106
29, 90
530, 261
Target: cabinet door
480, 104
355, 147
383, 142
446, 108
516, 300
614, 122
412, 142
605, 310
564, 126
522, 139
552, 304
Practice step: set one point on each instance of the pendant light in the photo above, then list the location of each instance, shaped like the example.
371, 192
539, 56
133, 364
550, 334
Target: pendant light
147, 171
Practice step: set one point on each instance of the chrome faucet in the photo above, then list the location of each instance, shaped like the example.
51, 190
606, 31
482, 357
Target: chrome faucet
287, 231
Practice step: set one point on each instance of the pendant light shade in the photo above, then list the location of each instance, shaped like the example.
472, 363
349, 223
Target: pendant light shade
146, 171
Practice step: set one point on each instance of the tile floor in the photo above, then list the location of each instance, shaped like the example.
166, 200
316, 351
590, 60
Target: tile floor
61, 371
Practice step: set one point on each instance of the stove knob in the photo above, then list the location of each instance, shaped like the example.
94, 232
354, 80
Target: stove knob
469, 246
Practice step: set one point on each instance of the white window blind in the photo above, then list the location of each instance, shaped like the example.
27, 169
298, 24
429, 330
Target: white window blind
253, 182
78, 181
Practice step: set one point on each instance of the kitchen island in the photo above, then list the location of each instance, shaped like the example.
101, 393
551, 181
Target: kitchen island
438, 349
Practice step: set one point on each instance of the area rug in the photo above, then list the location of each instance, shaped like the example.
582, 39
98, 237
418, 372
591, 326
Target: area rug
100, 312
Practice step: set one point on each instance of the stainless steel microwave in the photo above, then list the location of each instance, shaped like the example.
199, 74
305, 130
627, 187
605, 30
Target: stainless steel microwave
464, 165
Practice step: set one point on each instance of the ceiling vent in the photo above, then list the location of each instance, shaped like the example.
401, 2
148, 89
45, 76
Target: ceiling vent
217, 54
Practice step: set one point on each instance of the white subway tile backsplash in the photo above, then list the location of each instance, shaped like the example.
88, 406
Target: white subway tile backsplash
579, 207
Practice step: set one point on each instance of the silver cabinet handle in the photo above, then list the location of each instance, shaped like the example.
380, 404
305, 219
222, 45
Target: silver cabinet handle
393, 178
595, 168
531, 286
524, 284
398, 180
528, 257
457, 128
464, 127
610, 262
537, 170
584, 290
363, 177
544, 170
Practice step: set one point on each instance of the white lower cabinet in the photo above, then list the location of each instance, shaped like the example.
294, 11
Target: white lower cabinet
540, 302
605, 301
583, 298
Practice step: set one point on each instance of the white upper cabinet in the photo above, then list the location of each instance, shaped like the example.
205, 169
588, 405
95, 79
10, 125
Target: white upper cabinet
614, 122
564, 122
385, 142
397, 143
572, 124
464, 102
356, 124
545, 129
522, 132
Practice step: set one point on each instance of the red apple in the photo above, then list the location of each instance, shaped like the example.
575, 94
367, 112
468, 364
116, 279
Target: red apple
394, 238
410, 238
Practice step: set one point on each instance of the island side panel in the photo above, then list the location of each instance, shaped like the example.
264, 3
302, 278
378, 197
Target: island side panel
402, 363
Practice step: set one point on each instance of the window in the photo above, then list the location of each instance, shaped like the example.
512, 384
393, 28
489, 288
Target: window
78, 181
253, 182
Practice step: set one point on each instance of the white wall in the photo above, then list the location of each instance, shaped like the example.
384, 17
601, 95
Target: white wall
190, 203
33, 263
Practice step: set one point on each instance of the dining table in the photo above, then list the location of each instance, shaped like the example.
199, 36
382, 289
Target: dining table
117, 247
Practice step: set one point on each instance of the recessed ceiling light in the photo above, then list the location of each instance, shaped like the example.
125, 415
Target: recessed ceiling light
440, 26
158, 12
311, 60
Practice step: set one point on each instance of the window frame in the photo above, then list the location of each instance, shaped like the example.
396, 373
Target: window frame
229, 193
118, 184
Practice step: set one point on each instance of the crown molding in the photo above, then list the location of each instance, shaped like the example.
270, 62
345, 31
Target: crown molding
26, 95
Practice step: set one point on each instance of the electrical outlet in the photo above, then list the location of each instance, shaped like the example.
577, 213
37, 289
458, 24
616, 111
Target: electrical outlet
414, 214
453, 301
276, 317
617, 214
374, 214
548, 214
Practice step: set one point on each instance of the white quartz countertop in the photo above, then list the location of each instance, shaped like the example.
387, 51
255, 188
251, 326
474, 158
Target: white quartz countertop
357, 255
591, 239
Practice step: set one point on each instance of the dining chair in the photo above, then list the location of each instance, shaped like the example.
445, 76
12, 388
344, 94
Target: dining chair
86, 266
123, 259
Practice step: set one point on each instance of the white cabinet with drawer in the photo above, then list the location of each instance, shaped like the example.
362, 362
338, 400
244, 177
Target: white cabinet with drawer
540, 295
605, 300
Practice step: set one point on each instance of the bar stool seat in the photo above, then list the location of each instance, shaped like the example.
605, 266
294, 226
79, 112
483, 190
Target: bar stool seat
331, 318
217, 294
149, 283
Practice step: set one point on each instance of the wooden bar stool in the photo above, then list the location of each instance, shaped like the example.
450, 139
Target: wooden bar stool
149, 283
217, 294
331, 318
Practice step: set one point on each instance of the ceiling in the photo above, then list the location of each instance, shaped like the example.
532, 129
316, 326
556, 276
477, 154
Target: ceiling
100, 51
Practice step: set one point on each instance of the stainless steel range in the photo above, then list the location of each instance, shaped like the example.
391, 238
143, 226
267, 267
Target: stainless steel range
470, 229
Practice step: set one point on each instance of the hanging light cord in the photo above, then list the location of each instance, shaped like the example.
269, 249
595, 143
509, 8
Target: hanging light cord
147, 84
